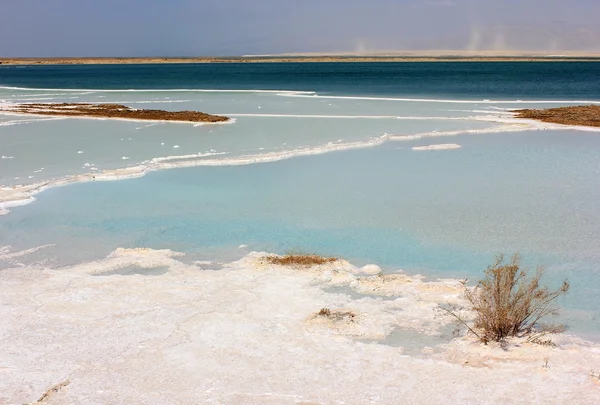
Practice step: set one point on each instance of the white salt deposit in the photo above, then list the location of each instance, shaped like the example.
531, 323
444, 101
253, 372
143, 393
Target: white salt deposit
442, 146
250, 333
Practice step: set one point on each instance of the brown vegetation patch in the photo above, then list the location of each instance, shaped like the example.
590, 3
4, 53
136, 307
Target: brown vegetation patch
510, 302
586, 115
336, 316
300, 260
113, 111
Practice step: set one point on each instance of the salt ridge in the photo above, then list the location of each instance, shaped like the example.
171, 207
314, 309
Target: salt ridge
442, 146
452, 101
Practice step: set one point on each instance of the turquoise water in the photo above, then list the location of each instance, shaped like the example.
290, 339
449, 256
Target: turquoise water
527, 194
370, 199
512, 80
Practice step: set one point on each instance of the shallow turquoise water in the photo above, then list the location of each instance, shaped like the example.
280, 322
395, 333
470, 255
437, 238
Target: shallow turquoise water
526, 194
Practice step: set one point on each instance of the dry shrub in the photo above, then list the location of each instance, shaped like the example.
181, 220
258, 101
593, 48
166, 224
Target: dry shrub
306, 260
336, 315
324, 312
508, 302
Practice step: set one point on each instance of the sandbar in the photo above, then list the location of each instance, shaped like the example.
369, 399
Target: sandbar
110, 111
582, 115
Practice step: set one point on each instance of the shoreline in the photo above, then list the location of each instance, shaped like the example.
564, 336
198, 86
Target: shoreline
290, 59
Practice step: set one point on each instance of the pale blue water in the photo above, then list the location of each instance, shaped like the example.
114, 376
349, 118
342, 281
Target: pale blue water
440, 213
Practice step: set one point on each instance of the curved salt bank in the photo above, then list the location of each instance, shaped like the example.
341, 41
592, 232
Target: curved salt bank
442, 146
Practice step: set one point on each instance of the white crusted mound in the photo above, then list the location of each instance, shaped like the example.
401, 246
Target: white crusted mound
250, 333
441, 146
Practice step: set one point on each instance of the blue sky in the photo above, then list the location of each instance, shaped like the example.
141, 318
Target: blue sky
237, 27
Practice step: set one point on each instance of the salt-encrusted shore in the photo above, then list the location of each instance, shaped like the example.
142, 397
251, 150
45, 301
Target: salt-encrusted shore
581, 115
115, 111
143, 327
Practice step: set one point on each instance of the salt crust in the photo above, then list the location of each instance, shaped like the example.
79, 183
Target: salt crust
249, 333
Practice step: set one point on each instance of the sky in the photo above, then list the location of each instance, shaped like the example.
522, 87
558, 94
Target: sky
54, 28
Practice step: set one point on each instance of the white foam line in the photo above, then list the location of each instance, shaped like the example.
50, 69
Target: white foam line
43, 94
38, 98
183, 157
395, 117
157, 90
431, 100
442, 146
117, 102
19, 122
435, 134
144, 102
489, 110
5, 255
492, 107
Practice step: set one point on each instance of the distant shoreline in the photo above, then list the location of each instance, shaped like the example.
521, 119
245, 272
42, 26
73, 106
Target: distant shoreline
291, 59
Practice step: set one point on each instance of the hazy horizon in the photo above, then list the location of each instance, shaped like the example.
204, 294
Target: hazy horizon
72, 28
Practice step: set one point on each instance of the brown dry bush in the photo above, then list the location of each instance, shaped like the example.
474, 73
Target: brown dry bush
305, 260
336, 315
509, 302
